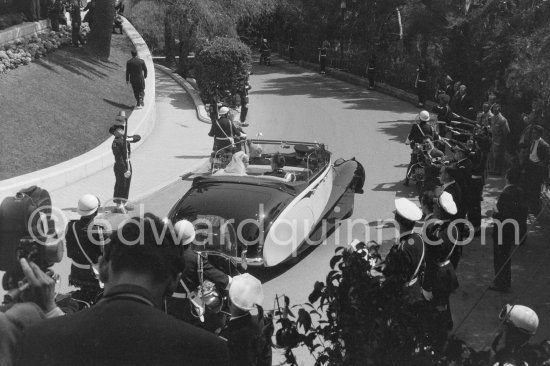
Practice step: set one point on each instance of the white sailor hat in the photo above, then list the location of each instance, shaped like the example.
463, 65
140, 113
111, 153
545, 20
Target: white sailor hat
246, 291
407, 209
447, 203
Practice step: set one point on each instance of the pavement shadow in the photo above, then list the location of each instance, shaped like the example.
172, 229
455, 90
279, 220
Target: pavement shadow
398, 130
119, 105
398, 188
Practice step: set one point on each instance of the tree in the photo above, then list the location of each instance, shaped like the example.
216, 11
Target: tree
102, 27
222, 64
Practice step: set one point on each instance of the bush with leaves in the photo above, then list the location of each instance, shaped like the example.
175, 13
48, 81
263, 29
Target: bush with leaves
221, 65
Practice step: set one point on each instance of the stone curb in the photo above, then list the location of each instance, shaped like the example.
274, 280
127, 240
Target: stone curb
142, 121
202, 114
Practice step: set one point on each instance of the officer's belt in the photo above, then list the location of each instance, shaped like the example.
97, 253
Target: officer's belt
81, 266
443, 264
477, 176
222, 138
421, 81
370, 68
179, 295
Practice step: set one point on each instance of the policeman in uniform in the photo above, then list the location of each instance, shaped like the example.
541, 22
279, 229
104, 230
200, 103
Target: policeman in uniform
243, 95
420, 83
464, 166
223, 131
439, 278
179, 305
519, 324
123, 167
416, 135
85, 243
406, 258
243, 332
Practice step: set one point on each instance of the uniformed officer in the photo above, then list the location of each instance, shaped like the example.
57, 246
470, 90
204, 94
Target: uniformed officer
416, 136
439, 278
123, 167
224, 131
245, 340
371, 70
518, 324
85, 244
420, 83
474, 194
406, 258
464, 166
179, 305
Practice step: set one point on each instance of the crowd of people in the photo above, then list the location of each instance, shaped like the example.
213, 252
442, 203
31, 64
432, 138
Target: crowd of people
144, 304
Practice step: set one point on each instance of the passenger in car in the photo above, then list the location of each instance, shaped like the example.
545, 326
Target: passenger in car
277, 165
237, 165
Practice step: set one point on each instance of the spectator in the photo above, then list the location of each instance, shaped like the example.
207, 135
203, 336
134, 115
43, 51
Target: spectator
537, 167
510, 206
454, 97
76, 22
245, 340
535, 117
323, 57
499, 131
371, 70
444, 115
464, 103
127, 326
485, 117
20, 316
420, 83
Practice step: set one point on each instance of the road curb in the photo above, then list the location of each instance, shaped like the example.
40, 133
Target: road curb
140, 122
202, 114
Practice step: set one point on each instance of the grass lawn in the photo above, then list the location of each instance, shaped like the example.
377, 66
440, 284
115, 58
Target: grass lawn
60, 106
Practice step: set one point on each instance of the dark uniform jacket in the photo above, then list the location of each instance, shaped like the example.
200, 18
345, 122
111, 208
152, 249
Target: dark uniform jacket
464, 167
190, 275
464, 106
439, 275
410, 249
136, 72
511, 204
245, 342
93, 248
223, 129
122, 329
418, 131
122, 155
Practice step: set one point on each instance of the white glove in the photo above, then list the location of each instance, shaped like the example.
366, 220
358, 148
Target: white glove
428, 295
127, 174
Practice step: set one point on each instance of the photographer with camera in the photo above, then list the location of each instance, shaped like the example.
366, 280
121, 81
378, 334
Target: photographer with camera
127, 326
37, 302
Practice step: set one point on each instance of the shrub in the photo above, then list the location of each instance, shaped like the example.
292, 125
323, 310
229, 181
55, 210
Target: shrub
221, 65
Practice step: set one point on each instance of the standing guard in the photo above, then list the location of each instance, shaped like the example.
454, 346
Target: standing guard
406, 258
123, 166
224, 131
439, 279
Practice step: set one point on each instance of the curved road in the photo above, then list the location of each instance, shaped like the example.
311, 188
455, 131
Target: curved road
287, 102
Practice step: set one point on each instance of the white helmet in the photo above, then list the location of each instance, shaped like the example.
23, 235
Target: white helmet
245, 291
87, 205
223, 110
521, 317
185, 232
424, 116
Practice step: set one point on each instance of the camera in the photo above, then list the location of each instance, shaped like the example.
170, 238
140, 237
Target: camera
27, 231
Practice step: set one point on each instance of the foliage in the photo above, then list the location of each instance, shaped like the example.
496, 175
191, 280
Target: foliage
10, 19
148, 18
358, 319
222, 64
22, 51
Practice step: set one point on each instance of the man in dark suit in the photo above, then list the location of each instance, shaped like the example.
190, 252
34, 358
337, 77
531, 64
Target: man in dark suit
464, 104
537, 167
243, 331
510, 206
127, 326
136, 73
